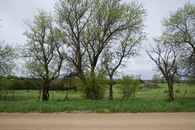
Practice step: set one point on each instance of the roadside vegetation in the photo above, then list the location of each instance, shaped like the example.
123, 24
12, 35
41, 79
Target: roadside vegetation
145, 99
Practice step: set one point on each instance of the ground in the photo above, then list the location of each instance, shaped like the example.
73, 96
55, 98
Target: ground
93, 121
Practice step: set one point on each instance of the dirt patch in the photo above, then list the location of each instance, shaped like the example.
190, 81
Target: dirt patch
93, 121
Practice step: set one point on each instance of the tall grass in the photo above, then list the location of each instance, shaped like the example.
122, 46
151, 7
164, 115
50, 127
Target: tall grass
103, 106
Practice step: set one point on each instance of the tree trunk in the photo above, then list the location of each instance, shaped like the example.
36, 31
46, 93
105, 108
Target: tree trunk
45, 92
39, 95
87, 87
91, 93
110, 97
91, 90
88, 93
171, 93
111, 83
5, 96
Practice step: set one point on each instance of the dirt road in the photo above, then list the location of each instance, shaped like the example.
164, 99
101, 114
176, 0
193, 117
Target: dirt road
92, 121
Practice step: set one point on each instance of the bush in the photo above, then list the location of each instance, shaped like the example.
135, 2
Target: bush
177, 91
95, 90
129, 86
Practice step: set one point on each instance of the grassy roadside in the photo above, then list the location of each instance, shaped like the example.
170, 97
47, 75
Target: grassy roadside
146, 100
102, 106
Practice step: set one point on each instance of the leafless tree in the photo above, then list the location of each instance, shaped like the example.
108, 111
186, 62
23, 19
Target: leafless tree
165, 57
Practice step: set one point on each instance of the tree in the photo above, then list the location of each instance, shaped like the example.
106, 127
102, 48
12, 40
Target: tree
7, 55
73, 17
156, 78
90, 27
179, 29
165, 56
115, 56
43, 50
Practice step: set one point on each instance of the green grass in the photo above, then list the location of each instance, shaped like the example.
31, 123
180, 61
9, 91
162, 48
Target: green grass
25, 101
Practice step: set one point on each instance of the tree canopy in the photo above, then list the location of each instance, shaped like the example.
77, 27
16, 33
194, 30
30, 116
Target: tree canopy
179, 29
91, 26
7, 55
44, 50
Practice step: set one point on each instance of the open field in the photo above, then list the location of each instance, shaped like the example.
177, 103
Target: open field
92, 121
146, 100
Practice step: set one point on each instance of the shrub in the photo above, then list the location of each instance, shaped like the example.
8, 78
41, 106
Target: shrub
177, 91
129, 86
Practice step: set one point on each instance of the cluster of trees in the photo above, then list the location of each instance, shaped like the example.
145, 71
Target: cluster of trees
87, 39
91, 39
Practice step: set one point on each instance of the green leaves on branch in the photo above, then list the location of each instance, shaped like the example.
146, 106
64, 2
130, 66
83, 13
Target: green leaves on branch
7, 57
129, 86
179, 30
44, 50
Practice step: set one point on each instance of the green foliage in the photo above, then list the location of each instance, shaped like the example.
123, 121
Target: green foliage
90, 26
26, 84
191, 80
5, 83
99, 106
15, 83
95, 85
7, 55
43, 47
177, 91
57, 84
25, 101
43, 50
129, 86
179, 30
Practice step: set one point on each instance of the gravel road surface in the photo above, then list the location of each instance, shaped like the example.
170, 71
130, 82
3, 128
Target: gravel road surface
93, 121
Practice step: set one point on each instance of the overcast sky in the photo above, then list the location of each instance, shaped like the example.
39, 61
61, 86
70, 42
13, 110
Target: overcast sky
14, 12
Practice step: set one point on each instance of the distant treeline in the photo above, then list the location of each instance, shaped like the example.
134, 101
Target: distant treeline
24, 83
